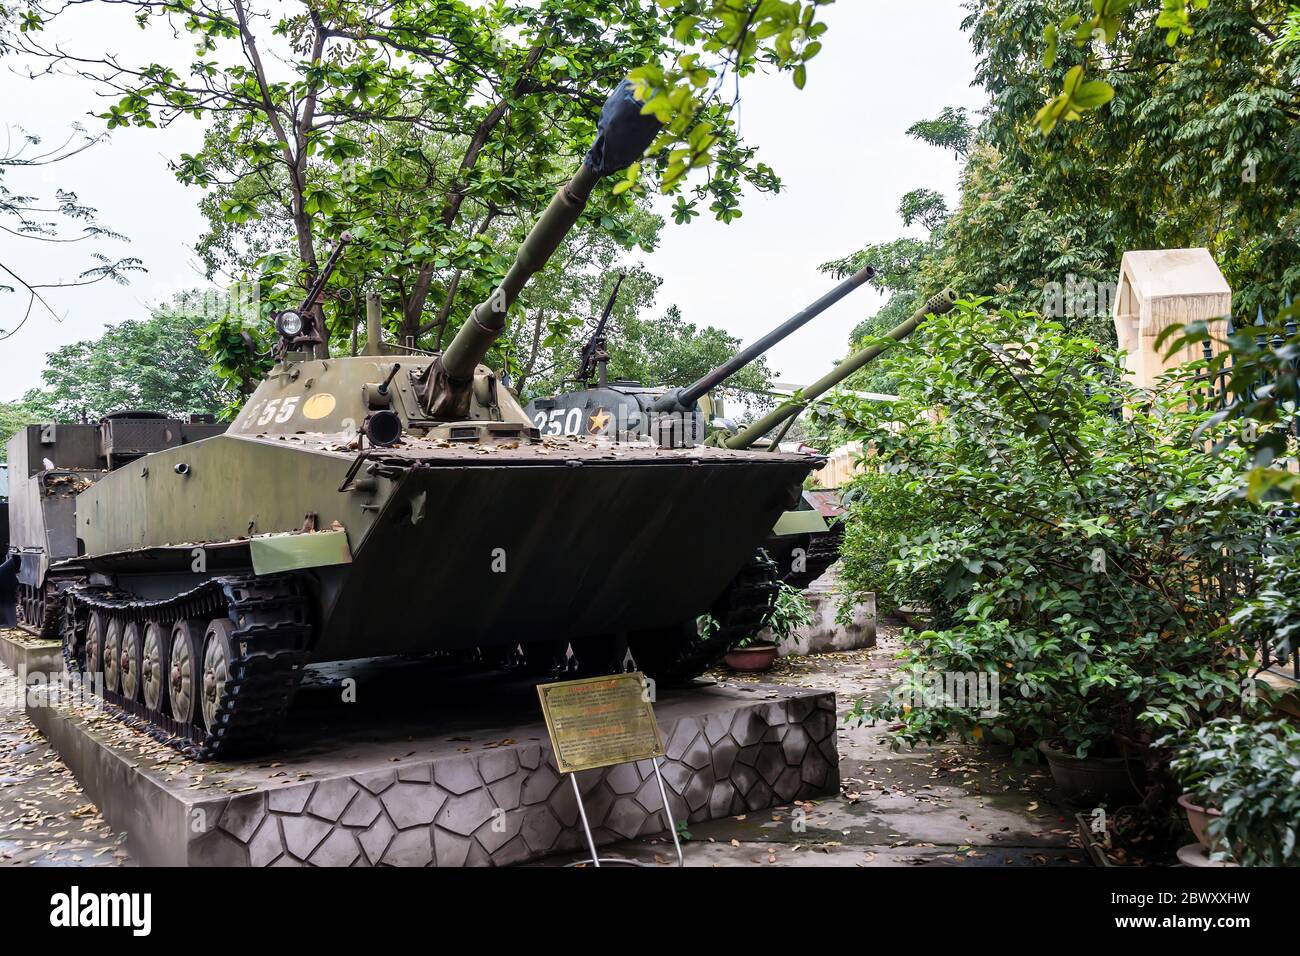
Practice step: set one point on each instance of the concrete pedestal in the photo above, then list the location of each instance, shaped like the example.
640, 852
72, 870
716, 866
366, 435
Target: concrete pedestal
26, 655
410, 765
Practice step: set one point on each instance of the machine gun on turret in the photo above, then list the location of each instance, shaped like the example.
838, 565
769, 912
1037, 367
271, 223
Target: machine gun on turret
593, 359
301, 327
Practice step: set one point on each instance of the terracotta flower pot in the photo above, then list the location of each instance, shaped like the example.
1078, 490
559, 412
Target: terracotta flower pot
752, 659
1088, 781
1198, 818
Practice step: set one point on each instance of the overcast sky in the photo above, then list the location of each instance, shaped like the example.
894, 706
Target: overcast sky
838, 145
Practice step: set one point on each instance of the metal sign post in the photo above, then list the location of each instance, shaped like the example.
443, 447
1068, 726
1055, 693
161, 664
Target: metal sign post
602, 722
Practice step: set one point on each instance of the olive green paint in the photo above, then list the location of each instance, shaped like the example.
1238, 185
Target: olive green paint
293, 552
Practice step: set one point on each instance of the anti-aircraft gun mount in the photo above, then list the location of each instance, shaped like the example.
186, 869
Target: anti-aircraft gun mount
207, 575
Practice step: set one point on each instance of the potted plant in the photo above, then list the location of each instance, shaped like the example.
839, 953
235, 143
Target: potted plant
1091, 779
1239, 790
758, 652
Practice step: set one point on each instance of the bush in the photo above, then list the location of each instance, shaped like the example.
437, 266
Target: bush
1094, 548
790, 612
888, 516
1251, 774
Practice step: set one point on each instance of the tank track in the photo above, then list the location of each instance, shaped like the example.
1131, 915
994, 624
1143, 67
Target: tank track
680, 655
823, 551
272, 638
47, 602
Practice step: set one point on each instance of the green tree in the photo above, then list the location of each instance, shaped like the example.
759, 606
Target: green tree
480, 110
1196, 147
1087, 545
153, 364
13, 416
671, 351
562, 306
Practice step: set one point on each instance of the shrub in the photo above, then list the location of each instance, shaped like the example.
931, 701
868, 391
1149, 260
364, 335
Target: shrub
1096, 552
887, 516
790, 613
1250, 772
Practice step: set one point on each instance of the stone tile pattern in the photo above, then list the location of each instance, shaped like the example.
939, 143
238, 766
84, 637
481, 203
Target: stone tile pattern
509, 804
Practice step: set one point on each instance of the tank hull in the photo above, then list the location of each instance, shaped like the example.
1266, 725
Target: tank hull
207, 575
457, 549
550, 552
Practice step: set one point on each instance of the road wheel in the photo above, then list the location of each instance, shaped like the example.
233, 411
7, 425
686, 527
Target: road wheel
183, 662
95, 643
130, 661
153, 665
113, 655
218, 659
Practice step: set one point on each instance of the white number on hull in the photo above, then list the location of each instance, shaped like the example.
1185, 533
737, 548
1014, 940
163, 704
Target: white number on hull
560, 421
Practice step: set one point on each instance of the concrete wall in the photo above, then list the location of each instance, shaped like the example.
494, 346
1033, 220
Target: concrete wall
826, 634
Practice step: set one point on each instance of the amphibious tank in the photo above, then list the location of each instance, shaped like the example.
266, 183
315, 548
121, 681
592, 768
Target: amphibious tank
396, 503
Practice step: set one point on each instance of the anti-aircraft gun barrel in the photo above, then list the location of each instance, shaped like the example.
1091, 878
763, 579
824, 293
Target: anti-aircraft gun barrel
625, 133
680, 399
937, 305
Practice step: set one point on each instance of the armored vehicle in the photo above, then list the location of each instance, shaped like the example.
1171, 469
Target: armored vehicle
401, 504
4, 505
50, 465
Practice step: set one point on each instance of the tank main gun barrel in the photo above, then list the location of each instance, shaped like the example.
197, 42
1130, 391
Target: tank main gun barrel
681, 399
625, 134
936, 305
488, 319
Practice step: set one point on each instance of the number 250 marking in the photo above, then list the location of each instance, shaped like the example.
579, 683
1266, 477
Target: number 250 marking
560, 421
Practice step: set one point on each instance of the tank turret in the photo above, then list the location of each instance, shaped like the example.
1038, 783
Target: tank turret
625, 133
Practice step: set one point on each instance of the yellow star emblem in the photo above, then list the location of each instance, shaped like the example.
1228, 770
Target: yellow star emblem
597, 422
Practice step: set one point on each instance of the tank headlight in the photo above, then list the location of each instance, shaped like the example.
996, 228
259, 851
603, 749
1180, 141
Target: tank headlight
288, 323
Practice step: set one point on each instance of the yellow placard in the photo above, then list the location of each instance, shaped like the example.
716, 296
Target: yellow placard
600, 721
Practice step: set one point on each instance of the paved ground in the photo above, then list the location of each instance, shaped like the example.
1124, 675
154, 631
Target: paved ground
45, 818
939, 806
